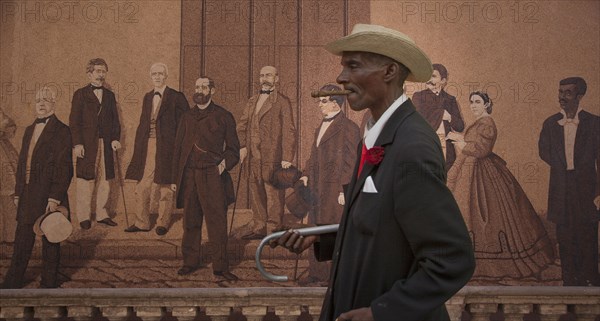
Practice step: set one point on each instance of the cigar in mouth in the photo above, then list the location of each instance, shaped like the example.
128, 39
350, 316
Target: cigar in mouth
325, 93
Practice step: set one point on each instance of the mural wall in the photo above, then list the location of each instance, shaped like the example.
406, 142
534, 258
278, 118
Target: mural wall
504, 145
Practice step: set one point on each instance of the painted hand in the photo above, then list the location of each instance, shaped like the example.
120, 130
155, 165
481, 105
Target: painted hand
341, 199
221, 167
304, 180
243, 154
51, 207
115, 145
285, 164
79, 151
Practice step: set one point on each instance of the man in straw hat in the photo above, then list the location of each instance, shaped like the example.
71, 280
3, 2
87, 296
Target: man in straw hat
44, 174
402, 248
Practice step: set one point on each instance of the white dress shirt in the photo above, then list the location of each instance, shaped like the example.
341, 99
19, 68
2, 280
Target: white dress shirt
372, 131
570, 131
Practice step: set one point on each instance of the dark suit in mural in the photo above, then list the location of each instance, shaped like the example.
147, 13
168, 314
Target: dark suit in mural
151, 164
329, 169
44, 174
441, 110
268, 136
206, 149
570, 143
509, 239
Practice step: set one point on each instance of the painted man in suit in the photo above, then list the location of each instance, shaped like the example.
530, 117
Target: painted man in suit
441, 110
151, 165
44, 173
206, 149
268, 139
402, 248
570, 144
327, 170
96, 131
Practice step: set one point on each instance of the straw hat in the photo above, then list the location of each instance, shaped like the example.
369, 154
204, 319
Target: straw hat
389, 43
54, 225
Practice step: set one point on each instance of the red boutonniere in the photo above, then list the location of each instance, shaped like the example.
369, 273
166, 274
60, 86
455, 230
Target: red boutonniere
375, 155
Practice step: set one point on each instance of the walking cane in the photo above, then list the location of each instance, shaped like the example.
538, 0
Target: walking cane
120, 177
237, 189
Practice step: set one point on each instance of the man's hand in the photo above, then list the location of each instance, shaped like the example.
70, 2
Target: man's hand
362, 314
294, 242
447, 116
243, 154
79, 151
341, 199
597, 202
51, 207
173, 187
285, 164
221, 167
304, 180
115, 145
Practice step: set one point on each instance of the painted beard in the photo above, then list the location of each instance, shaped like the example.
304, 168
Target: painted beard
201, 99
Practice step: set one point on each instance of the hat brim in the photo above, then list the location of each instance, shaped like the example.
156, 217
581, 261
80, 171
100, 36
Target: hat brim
403, 51
59, 228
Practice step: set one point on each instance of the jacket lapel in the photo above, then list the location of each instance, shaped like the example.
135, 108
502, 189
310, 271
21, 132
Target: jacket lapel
333, 129
46, 134
164, 101
267, 105
386, 137
559, 136
582, 135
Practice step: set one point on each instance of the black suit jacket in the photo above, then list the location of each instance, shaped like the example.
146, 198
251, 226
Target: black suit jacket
173, 106
217, 136
587, 165
404, 250
51, 170
432, 107
90, 120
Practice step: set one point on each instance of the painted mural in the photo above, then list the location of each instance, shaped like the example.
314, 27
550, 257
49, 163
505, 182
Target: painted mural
160, 141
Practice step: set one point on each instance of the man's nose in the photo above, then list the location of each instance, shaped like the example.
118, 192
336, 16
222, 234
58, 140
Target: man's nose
342, 77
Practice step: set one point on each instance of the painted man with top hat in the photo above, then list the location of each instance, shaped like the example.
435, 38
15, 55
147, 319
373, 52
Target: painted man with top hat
44, 173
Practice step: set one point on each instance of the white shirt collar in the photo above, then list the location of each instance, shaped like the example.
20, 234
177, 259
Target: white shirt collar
160, 90
564, 120
331, 115
372, 132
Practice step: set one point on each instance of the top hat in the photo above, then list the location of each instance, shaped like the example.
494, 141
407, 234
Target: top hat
54, 225
300, 201
283, 178
389, 43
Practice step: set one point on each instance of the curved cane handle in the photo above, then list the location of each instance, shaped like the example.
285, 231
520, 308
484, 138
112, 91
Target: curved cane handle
316, 230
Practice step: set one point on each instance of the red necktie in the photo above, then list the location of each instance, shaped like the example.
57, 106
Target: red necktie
363, 156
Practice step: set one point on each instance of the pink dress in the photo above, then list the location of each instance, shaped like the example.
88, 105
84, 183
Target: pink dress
508, 236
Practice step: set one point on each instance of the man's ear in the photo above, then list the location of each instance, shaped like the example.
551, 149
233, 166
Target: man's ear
212, 91
393, 71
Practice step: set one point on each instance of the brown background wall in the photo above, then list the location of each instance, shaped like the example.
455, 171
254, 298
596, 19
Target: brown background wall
516, 50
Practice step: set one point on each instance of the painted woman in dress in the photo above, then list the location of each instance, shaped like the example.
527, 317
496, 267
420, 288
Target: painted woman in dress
509, 238
8, 163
